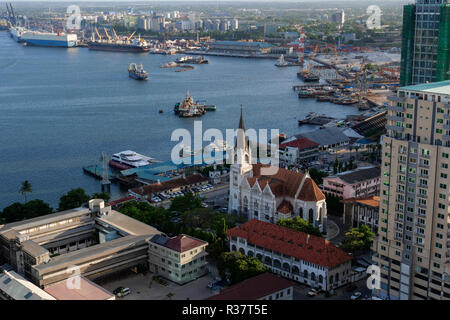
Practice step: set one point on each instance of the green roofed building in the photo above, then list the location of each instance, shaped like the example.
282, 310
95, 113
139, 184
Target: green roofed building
426, 42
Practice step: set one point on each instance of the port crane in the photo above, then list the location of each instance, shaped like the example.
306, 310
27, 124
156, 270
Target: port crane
312, 58
128, 39
98, 34
115, 34
107, 35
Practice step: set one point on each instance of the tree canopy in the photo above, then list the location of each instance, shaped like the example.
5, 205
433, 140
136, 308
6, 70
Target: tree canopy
21, 211
187, 202
358, 239
73, 199
237, 267
25, 188
299, 224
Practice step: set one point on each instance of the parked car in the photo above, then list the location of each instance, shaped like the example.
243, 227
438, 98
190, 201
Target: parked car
356, 296
313, 292
122, 292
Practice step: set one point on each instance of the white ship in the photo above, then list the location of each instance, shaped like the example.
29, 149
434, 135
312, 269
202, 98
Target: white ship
48, 39
132, 159
281, 62
16, 33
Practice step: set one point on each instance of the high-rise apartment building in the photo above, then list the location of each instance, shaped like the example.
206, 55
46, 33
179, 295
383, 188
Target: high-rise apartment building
426, 42
413, 244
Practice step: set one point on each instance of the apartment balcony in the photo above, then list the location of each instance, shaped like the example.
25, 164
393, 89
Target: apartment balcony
446, 137
396, 99
395, 128
395, 118
447, 116
446, 126
447, 105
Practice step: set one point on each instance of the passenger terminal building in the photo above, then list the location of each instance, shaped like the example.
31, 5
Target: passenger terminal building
97, 240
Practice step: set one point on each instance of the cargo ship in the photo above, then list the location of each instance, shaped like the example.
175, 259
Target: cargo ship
137, 72
125, 44
307, 76
190, 59
49, 39
16, 33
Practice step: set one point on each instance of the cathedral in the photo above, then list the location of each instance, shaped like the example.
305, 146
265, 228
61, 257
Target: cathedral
270, 197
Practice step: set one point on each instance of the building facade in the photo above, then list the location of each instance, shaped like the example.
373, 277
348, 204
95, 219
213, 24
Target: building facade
361, 211
299, 152
266, 286
425, 42
292, 254
413, 245
277, 194
357, 183
180, 259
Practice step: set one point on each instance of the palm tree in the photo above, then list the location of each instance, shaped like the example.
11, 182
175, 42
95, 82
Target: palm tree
25, 188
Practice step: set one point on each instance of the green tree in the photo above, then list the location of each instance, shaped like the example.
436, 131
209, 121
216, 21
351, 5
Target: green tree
317, 175
299, 224
73, 199
32, 209
25, 188
236, 267
358, 239
102, 195
187, 202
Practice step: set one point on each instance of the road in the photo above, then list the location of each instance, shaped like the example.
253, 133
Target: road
301, 292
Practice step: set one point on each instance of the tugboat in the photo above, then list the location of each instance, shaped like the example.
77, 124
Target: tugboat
188, 108
137, 72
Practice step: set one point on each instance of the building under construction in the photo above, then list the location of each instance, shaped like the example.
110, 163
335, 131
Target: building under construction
425, 42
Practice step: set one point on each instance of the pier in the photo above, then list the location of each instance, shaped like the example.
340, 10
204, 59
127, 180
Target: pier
97, 172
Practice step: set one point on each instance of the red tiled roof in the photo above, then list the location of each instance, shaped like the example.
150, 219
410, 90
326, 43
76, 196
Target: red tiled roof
253, 288
285, 207
301, 143
170, 184
373, 201
182, 243
121, 200
286, 183
310, 191
291, 243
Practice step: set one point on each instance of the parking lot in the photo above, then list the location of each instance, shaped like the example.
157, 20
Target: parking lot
168, 196
141, 289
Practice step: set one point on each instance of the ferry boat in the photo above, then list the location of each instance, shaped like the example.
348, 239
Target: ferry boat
131, 159
306, 94
137, 72
171, 64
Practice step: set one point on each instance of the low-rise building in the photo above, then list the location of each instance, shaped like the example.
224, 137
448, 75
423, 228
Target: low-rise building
326, 137
357, 183
299, 151
169, 187
78, 288
180, 259
15, 287
308, 259
359, 211
241, 47
93, 242
266, 286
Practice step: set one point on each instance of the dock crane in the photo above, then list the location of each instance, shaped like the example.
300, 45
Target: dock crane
115, 34
107, 35
98, 34
312, 58
128, 38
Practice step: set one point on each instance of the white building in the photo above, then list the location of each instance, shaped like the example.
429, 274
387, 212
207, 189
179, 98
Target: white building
269, 197
295, 255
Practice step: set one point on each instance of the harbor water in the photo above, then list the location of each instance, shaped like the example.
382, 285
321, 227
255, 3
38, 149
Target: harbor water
60, 108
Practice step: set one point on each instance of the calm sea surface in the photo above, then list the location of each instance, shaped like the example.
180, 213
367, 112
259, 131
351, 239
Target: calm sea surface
60, 108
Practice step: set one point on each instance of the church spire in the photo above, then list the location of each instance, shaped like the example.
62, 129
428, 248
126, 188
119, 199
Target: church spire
241, 138
241, 121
